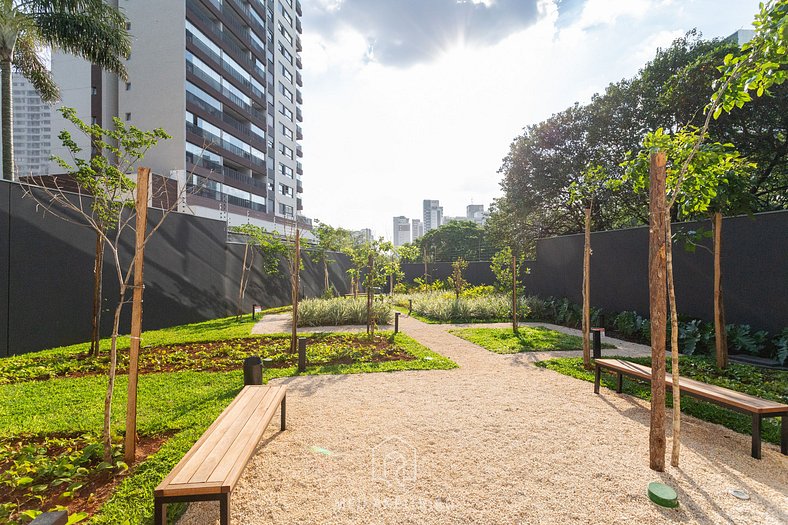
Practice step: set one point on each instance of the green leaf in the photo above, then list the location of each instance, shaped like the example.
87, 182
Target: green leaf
76, 517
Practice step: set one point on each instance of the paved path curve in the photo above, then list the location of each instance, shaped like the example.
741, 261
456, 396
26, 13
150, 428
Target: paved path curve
497, 440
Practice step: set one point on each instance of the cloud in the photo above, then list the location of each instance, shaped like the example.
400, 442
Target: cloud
406, 32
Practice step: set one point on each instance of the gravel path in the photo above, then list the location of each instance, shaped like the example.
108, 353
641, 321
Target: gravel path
278, 323
497, 440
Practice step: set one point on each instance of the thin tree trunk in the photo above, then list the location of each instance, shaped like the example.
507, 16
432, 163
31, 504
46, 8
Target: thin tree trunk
425, 267
720, 337
370, 269
674, 345
8, 118
515, 327
130, 445
325, 275
98, 272
587, 291
295, 277
657, 305
239, 312
113, 363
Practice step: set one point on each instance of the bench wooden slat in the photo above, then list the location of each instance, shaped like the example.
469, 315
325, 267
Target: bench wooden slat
232, 421
227, 438
252, 430
196, 447
712, 392
234, 474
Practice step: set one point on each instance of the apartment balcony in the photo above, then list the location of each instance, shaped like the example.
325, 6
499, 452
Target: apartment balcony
299, 205
298, 26
299, 80
298, 45
299, 99
299, 151
299, 187
298, 8
298, 62
299, 115
299, 168
299, 133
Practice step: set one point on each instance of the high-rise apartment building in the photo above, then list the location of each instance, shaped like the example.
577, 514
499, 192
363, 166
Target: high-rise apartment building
32, 129
433, 215
417, 229
224, 79
475, 213
401, 230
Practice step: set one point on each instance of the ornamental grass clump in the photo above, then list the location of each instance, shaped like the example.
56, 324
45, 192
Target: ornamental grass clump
341, 311
444, 306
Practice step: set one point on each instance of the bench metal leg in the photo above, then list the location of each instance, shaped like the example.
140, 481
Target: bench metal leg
159, 512
756, 436
620, 383
283, 411
597, 376
224, 509
784, 434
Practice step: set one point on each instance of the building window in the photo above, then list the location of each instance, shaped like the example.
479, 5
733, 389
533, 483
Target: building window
287, 171
128, 86
285, 210
286, 190
285, 53
128, 117
286, 112
287, 152
286, 92
287, 132
93, 91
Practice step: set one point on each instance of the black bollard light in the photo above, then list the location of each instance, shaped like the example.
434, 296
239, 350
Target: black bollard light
396, 322
253, 371
597, 342
301, 354
410, 306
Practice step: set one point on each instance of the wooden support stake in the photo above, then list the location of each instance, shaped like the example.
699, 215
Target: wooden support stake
515, 326
587, 291
130, 448
657, 274
295, 286
720, 337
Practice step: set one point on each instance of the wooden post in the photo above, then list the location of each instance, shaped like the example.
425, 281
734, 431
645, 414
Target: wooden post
674, 343
370, 269
657, 307
130, 445
98, 267
515, 327
720, 337
587, 291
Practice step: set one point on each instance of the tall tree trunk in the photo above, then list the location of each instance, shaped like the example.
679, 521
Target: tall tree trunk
325, 276
239, 309
370, 269
674, 345
425, 267
130, 446
720, 337
295, 276
113, 364
8, 118
515, 326
587, 291
98, 273
657, 306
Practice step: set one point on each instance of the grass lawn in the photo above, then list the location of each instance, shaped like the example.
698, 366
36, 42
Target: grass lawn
761, 382
189, 374
527, 339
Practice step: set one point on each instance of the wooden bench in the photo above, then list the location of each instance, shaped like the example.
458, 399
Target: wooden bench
213, 466
754, 406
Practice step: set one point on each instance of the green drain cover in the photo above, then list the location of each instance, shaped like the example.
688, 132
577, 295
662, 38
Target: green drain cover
662, 495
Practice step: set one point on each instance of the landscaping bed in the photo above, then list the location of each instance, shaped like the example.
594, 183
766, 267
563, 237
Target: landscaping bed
527, 339
51, 404
760, 382
342, 311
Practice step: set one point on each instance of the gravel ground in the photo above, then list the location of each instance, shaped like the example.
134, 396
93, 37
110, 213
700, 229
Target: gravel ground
497, 440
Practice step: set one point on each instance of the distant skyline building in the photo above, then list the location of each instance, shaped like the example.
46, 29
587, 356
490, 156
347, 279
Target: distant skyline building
476, 213
401, 230
32, 129
362, 235
224, 79
432, 214
416, 229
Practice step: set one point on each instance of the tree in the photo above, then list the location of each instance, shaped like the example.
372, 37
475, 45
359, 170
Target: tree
329, 239
257, 241
464, 239
90, 29
457, 280
506, 269
104, 195
586, 190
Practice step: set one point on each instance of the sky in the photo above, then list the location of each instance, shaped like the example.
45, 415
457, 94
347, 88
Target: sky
406, 100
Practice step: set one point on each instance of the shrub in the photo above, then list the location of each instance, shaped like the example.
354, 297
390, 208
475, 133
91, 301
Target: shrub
478, 291
781, 347
341, 311
445, 307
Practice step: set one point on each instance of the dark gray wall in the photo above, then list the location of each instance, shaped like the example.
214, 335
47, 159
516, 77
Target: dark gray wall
191, 274
754, 263
478, 273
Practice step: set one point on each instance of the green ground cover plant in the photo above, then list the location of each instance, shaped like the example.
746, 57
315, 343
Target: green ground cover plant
202, 363
444, 307
761, 382
340, 311
527, 339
